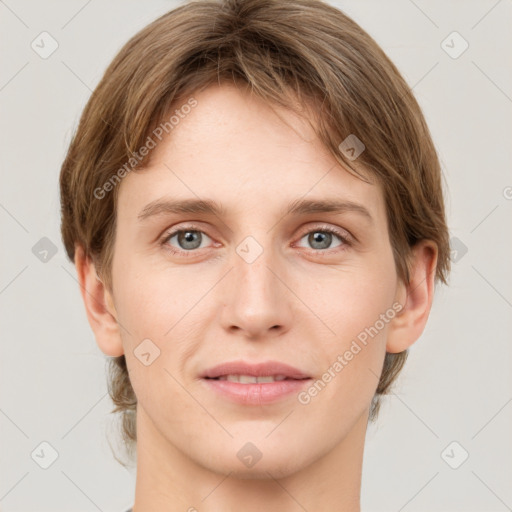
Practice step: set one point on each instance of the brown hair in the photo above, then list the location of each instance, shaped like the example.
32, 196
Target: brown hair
288, 53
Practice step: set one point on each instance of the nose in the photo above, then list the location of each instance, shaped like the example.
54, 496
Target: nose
257, 298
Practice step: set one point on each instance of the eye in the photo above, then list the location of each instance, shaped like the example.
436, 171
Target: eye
187, 240
321, 238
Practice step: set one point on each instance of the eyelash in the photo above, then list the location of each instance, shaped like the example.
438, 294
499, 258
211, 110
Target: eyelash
321, 229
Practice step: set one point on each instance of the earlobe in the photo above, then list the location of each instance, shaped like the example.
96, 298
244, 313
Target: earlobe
416, 298
99, 306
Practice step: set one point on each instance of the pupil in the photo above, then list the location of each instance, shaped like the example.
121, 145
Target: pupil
187, 241
322, 238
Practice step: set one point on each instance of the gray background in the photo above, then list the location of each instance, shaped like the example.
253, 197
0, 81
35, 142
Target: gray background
457, 384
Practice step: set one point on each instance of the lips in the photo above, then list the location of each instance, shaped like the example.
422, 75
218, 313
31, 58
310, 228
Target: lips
240, 371
259, 384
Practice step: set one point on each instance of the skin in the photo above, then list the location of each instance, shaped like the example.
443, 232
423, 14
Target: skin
296, 303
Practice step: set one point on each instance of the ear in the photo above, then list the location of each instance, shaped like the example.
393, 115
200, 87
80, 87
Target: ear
415, 297
99, 306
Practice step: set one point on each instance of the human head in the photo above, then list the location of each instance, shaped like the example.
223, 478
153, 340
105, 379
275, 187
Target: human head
334, 75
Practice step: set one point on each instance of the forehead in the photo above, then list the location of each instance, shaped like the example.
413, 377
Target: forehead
236, 149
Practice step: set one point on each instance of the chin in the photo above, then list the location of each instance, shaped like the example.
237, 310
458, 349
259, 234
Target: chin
278, 466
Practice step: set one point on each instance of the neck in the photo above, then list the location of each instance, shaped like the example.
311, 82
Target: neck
167, 479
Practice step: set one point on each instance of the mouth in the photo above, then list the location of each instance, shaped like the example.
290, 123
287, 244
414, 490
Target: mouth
245, 373
252, 379
254, 384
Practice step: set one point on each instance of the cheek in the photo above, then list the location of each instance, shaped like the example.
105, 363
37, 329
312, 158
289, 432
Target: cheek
351, 298
158, 307
356, 305
150, 301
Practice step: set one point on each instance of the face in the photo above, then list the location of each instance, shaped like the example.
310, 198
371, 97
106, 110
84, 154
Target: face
255, 283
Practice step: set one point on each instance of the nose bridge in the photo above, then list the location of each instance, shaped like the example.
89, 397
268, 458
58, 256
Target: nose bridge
256, 299
252, 264
253, 261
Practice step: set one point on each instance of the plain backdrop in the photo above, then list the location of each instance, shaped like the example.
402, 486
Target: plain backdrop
454, 397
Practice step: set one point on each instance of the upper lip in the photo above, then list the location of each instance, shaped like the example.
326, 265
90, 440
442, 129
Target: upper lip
255, 369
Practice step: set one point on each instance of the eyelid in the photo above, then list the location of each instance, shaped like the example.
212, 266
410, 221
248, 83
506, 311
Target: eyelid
342, 233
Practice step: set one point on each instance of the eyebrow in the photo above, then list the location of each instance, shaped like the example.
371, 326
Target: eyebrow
307, 206
210, 207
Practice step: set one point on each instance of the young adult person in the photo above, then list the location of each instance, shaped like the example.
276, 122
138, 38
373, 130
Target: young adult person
254, 206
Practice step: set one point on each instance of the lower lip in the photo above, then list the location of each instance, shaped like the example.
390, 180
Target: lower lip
258, 393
